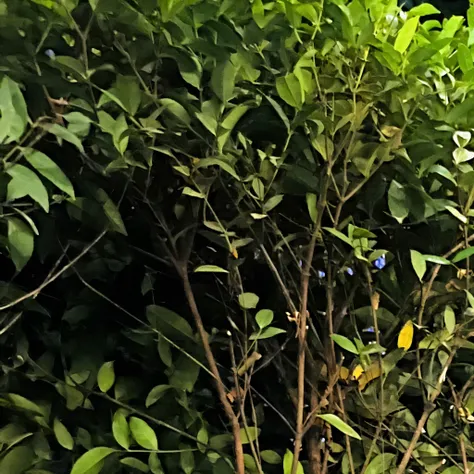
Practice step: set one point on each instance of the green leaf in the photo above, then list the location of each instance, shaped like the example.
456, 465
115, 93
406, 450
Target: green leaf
423, 10
271, 457
91, 459
62, 435
155, 464
339, 235
206, 162
381, 463
449, 319
398, 201
345, 343
463, 254
289, 89
464, 58
187, 461
210, 268
65, 134
324, 146
342, 426
111, 211
250, 434
248, 300
121, 430
312, 203
168, 322
232, 117
406, 34
115, 128
17, 460
135, 464
106, 377
189, 68
279, 111
437, 260
209, 115
457, 214
13, 112
25, 182
143, 434
418, 263
49, 169
264, 317
272, 202
20, 242
127, 90
223, 80
266, 333
177, 110
185, 374
288, 464
155, 394
164, 350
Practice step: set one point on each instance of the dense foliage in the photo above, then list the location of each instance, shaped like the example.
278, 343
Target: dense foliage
235, 237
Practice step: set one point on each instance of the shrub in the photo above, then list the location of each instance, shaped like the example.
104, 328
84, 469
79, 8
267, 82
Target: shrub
237, 237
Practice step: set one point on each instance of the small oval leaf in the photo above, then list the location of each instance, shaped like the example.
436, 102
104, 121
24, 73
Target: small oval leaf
143, 434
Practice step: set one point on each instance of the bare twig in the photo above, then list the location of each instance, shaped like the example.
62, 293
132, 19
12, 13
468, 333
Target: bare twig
188, 291
429, 407
303, 316
37, 291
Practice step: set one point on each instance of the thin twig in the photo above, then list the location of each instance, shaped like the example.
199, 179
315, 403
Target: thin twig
303, 316
238, 449
37, 291
429, 407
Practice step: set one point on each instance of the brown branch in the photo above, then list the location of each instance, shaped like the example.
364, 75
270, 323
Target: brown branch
303, 317
238, 449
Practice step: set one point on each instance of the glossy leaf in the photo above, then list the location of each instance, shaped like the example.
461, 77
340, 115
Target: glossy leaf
264, 318
63, 436
406, 34
289, 89
345, 343
418, 263
106, 377
121, 430
143, 434
340, 425
90, 460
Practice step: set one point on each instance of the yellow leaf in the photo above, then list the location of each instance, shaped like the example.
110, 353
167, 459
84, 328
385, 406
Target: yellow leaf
235, 254
357, 372
371, 373
405, 338
344, 373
